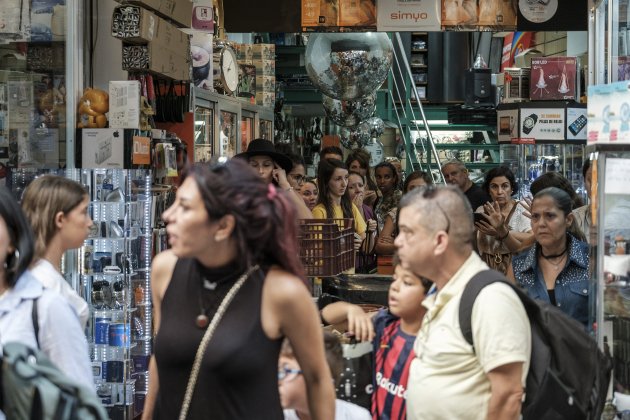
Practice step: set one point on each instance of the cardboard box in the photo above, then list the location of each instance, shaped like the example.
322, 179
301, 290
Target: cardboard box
263, 51
178, 11
134, 24
102, 148
265, 67
243, 52
554, 78
265, 83
266, 99
170, 37
124, 104
162, 61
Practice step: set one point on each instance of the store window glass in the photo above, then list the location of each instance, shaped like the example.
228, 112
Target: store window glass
33, 90
227, 134
204, 129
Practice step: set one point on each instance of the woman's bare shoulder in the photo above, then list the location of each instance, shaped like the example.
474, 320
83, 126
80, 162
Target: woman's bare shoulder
284, 285
162, 269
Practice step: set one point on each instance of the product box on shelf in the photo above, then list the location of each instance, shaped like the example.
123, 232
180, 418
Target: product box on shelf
124, 104
263, 51
102, 148
265, 83
554, 78
515, 84
265, 67
134, 24
266, 99
162, 61
179, 11
243, 52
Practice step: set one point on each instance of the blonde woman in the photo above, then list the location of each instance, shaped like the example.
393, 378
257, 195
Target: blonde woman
57, 209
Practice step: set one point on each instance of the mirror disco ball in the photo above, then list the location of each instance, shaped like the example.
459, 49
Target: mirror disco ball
375, 125
349, 113
348, 66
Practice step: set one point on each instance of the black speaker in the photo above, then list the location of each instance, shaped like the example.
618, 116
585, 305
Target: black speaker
479, 88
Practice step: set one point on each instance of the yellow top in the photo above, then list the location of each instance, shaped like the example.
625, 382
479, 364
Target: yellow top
319, 212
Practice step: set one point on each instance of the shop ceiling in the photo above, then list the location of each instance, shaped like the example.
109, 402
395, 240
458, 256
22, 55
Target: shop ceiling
284, 16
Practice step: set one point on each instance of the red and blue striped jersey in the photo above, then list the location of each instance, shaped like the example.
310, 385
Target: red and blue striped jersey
393, 353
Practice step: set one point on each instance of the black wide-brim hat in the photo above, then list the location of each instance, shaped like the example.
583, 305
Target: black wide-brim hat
262, 147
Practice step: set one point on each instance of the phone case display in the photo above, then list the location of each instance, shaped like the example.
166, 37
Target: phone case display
114, 269
611, 255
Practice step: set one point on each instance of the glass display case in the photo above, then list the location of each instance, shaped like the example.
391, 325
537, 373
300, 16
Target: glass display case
265, 129
38, 83
610, 255
529, 161
204, 133
224, 126
113, 270
248, 128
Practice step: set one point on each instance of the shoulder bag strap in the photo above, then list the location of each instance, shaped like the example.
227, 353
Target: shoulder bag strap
509, 217
472, 289
35, 317
192, 380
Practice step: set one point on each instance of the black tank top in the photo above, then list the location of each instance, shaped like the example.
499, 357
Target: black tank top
238, 376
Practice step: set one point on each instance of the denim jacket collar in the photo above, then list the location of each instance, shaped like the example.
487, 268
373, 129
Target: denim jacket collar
576, 256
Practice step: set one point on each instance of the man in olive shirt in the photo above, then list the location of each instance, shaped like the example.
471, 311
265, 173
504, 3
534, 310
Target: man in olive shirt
455, 173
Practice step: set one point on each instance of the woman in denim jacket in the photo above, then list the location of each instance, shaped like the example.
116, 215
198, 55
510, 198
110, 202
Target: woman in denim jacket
556, 268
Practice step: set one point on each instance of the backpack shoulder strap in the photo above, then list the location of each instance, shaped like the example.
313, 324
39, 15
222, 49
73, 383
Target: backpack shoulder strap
35, 317
472, 289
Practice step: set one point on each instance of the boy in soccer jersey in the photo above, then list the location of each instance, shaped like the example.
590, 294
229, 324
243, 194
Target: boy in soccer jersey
393, 332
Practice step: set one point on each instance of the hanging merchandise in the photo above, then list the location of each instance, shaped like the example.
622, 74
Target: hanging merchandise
348, 66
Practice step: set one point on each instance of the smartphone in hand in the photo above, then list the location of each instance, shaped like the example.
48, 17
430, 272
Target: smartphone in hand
481, 217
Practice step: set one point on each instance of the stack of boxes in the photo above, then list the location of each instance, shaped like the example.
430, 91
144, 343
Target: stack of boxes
151, 43
264, 59
247, 71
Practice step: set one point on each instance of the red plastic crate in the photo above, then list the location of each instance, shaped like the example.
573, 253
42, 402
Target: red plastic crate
326, 246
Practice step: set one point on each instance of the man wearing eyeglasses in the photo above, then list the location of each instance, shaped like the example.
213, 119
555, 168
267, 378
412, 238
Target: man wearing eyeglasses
455, 172
449, 379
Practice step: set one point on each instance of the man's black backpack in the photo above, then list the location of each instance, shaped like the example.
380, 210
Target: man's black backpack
32, 387
568, 376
